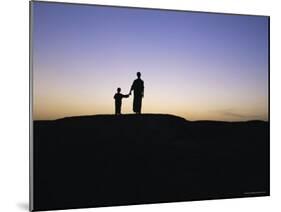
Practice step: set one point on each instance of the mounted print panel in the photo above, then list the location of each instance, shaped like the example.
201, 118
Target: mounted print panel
137, 105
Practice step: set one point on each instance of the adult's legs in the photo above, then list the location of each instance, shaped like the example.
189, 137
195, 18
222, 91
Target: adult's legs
137, 104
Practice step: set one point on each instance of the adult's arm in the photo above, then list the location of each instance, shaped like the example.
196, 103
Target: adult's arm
142, 89
132, 87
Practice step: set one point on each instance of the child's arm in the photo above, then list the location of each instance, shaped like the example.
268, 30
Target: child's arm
126, 96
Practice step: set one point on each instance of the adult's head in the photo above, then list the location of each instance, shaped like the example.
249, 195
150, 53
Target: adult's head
138, 74
118, 90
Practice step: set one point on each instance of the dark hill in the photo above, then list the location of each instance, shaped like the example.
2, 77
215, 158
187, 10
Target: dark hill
106, 160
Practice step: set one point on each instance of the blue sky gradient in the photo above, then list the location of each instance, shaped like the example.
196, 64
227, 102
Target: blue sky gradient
195, 65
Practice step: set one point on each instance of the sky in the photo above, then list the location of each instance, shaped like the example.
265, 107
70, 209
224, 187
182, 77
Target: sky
199, 66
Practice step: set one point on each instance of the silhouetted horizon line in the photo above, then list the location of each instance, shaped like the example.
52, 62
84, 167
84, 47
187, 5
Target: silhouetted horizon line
148, 114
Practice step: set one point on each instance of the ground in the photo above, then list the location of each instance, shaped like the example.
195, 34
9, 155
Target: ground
106, 160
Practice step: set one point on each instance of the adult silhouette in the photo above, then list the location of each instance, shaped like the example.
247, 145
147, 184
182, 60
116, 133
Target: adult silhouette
138, 88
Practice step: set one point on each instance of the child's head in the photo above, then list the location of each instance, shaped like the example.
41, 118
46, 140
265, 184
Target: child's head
118, 90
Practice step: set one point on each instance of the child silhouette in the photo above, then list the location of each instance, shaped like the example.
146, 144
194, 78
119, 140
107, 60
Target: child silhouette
118, 101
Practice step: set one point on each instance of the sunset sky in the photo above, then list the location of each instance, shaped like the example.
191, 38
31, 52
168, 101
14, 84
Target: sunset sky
199, 66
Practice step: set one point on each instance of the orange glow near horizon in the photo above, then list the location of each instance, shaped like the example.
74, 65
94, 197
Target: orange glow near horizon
53, 100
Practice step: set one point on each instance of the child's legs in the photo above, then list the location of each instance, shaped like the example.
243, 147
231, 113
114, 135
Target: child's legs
117, 108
